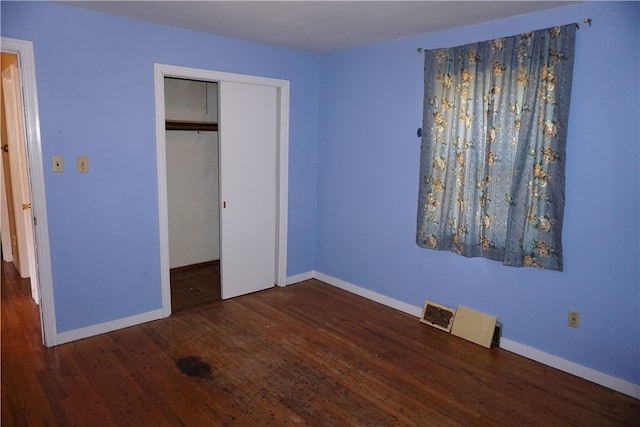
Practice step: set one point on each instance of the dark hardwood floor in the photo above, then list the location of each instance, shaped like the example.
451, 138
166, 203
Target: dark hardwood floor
304, 354
196, 285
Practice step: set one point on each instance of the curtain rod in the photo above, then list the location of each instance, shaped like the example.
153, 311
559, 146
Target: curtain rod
586, 21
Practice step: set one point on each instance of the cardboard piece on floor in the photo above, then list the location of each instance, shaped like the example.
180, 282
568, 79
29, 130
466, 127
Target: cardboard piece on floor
474, 326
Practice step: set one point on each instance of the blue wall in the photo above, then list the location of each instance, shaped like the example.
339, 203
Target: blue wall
353, 185
96, 98
368, 159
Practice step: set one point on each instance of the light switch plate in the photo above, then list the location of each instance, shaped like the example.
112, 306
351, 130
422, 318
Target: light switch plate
83, 164
57, 164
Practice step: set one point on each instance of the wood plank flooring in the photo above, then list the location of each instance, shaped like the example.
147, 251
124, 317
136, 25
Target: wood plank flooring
193, 286
306, 354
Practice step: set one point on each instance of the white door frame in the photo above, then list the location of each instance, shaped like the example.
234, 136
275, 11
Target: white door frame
282, 168
27, 72
15, 128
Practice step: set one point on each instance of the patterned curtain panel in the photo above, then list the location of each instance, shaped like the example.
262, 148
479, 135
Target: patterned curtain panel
493, 148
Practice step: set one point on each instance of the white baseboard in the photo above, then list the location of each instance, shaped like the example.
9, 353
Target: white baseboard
374, 296
556, 362
573, 368
101, 328
300, 277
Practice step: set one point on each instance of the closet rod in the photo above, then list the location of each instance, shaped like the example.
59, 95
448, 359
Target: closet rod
193, 126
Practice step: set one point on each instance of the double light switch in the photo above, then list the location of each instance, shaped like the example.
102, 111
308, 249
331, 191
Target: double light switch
57, 164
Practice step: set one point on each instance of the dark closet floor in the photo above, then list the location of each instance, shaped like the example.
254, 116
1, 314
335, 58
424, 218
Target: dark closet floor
195, 286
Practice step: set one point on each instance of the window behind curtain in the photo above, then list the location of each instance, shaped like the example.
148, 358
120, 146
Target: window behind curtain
493, 148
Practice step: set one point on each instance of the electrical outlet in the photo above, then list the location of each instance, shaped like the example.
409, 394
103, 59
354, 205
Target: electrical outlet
574, 319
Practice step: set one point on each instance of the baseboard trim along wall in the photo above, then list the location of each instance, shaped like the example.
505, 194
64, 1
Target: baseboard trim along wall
101, 328
300, 277
556, 362
573, 368
374, 296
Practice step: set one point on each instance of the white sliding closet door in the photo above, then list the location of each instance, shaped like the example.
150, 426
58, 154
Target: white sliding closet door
248, 135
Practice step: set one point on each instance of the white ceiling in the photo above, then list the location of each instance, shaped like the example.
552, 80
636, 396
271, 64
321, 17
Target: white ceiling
318, 26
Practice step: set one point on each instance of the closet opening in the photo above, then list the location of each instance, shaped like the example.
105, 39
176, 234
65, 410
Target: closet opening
192, 162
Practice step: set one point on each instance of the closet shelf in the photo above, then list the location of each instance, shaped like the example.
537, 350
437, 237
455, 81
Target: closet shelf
193, 126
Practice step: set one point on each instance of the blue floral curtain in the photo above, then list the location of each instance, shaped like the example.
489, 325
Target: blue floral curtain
493, 148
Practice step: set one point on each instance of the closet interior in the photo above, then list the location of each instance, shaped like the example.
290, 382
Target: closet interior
191, 113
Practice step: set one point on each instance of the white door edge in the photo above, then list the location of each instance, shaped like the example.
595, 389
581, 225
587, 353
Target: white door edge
24, 50
282, 168
16, 133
